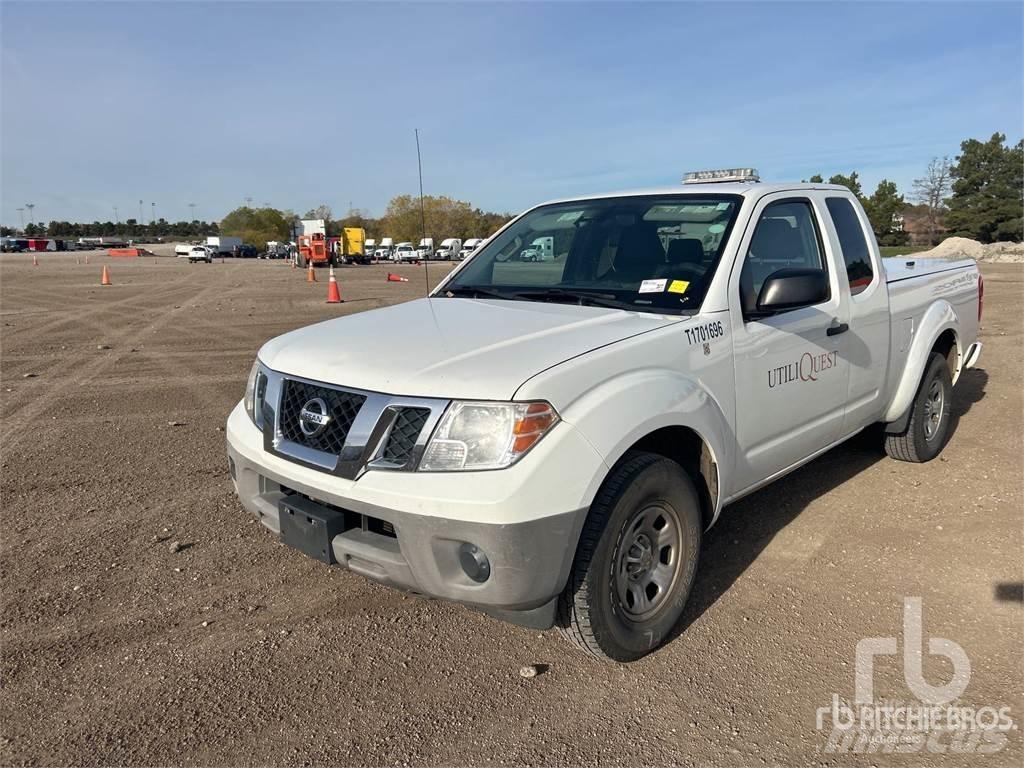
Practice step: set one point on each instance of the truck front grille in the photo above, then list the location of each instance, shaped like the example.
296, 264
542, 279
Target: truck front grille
342, 407
402, 438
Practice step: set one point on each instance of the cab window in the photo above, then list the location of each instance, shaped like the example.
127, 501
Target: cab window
786, 237
852, 241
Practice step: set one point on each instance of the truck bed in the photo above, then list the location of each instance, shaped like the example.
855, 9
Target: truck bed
917, 286
907, 267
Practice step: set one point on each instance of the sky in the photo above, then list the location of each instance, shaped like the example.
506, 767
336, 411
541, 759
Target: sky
297, 104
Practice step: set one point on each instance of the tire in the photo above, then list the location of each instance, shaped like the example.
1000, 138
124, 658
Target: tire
602, 609
928, 428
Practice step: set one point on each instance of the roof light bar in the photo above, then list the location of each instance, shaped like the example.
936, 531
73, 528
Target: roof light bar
724, 174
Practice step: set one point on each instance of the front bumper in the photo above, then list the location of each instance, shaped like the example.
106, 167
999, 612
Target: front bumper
526, 519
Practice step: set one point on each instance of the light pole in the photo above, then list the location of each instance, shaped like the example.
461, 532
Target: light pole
21, 218
192, 210
116, 220
248, 202
140, 213
30, 206
152, 213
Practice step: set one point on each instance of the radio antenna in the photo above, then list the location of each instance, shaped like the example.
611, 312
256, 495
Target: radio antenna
423, 214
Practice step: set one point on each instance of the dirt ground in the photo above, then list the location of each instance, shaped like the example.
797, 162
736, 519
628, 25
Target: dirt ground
237, 651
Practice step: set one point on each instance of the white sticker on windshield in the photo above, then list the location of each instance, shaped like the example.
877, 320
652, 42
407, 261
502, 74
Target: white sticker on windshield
723, 206
716, 228
565, 217
653, 286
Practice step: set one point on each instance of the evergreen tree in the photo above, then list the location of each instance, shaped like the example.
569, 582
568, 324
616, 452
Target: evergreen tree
988, 191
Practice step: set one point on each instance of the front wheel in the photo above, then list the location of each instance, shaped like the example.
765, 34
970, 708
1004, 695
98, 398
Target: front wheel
636, 560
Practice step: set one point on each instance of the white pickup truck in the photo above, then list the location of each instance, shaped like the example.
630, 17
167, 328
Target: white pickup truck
547, 441
195, 253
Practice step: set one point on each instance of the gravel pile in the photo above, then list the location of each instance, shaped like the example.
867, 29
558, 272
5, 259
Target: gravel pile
1000, 253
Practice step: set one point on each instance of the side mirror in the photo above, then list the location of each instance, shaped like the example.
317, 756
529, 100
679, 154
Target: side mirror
792, 288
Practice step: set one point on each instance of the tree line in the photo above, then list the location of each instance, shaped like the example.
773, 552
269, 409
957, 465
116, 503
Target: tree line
403, 220
979, 194
129, 229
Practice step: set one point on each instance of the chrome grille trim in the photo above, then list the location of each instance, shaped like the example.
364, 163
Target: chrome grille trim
367, 436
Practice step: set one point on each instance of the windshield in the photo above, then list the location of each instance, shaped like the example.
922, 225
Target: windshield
645, 253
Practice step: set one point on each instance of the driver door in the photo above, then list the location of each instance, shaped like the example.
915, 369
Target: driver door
791, 378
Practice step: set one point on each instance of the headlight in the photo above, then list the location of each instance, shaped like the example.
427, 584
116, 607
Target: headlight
474, 435
255, 391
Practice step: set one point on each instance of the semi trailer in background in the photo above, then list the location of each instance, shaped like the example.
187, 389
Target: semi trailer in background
224, 245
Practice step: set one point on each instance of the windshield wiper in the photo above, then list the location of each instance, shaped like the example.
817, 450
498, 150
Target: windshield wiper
476, 292
595, 298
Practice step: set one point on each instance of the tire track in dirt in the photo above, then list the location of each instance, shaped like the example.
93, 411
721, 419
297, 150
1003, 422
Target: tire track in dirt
13, 432
72, 319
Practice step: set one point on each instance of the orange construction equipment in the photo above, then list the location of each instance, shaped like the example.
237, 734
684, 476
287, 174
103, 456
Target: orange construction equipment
131, 252
105, 279
313, 249
397, 279
333, 293
310, 275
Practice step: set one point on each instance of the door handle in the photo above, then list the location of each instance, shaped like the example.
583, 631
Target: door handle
837, 328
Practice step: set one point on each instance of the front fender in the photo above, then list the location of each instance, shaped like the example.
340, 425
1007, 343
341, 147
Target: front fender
938, 318
618, 412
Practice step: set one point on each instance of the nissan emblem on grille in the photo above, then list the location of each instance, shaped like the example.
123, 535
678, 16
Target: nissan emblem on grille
314, 417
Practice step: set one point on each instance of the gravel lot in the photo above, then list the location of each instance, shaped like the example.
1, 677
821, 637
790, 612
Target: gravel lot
117, 650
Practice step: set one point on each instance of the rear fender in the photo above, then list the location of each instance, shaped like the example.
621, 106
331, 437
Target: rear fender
617, 413
938, 318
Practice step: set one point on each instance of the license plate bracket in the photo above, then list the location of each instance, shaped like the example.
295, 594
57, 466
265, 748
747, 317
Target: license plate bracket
309, 527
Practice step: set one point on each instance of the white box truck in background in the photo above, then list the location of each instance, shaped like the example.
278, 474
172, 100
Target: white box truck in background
469, 246
383, 252
541, 249
225, 245
449, 249
425, 250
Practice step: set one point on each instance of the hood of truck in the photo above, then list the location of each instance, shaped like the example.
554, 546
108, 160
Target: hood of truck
451, 348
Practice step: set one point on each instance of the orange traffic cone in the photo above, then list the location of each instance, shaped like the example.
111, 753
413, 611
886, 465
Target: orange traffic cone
105, 279
333, 293
35, 260
87, 258
397, 279
310, 274
294, 264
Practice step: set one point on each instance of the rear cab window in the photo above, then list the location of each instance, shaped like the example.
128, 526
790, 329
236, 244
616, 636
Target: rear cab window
853, 242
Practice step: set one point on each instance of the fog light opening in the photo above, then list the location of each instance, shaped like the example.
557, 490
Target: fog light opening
474, 562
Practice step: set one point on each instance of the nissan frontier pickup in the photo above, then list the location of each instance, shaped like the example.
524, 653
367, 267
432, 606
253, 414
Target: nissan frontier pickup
546, 440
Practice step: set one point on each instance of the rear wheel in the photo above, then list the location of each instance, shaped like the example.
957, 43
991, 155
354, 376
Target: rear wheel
636, 560
928, 428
